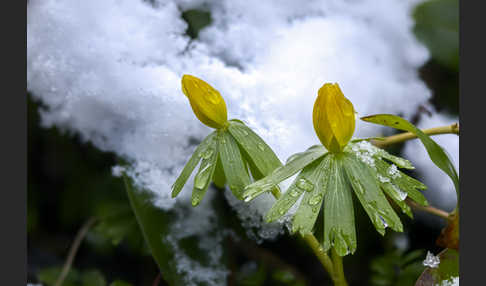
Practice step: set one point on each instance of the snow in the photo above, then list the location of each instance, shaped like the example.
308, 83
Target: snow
431, 260
453, 281
110, 71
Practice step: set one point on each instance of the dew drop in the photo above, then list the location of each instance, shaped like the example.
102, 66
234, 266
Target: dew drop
383, 221
206, 154
244, 132
294, 193
281, 210
194, 201
401, 194
305, 185
315, 200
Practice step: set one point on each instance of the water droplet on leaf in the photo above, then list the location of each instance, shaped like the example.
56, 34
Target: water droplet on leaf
315, 200
294, 193
206, 154
305, 185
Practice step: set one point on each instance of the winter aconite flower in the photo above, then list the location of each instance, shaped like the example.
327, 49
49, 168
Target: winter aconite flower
333, 117
227, 153
328, 177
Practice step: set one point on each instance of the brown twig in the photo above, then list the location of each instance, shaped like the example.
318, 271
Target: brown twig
430, 209
74, 249
449, 129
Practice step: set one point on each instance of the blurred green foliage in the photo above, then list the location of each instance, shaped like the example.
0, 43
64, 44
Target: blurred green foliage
397, 268
437, 26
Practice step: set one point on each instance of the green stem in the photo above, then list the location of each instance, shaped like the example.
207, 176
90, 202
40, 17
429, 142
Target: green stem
316, 247
339, 279
320, 253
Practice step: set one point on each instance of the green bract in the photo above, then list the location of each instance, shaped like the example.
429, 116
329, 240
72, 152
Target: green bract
326, 180
225, 156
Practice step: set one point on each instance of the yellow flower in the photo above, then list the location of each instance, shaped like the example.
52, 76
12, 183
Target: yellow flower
206, 102
333, 117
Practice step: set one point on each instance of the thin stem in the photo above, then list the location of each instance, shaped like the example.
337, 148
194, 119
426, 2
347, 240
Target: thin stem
74, 249
339, 279
314, 244
432, 210
449, 129
320, 253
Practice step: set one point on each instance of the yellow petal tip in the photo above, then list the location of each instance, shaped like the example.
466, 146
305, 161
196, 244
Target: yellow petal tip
206, 102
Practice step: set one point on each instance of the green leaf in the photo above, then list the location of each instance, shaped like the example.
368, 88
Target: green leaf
219, 179
158, 228
400, 162
294, 164
93, 278
259, 152
339, 229
396, 268
313, 179
448, 269
368, 149
118, 225
293, 193
192, 163
396, 196
155, 225
404, 183
435, 151
120, 283
48, 276
437, 26
205, 173
366, 188
233, 165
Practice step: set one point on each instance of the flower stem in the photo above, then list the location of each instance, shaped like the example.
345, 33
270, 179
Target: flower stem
316, 247
432, 210
449, 129
325, 260
339, 279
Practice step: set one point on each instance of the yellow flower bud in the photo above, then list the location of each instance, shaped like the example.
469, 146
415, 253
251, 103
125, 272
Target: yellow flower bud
333, 117
206, 102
